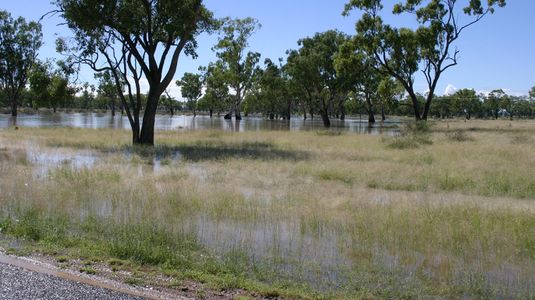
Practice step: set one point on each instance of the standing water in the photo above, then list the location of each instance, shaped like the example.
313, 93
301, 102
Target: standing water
163, 122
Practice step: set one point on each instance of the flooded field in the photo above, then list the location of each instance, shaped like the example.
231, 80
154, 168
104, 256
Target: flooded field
104, 120
301, 211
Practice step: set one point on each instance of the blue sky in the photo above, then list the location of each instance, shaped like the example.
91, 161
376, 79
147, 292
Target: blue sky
495, 53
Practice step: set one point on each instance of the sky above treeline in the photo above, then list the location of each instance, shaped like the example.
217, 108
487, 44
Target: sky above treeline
496, 53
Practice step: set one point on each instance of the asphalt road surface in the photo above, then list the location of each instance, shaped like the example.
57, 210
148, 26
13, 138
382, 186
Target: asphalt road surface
17, 283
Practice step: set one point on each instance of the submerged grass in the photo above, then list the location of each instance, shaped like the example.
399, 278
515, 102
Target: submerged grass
292, 215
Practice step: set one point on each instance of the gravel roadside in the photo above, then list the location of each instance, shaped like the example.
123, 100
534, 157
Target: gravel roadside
18, 283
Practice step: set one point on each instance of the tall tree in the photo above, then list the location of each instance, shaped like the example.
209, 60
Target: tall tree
48, 87
191, 86
239, 65
401, 52
493, 103
19, 43
466, 102
271, 94
135, 39
216, 96
312, 67
107, 88
40, 79
389, 92
363, 75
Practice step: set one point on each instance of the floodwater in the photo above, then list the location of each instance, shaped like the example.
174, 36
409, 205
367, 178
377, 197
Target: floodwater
182, 122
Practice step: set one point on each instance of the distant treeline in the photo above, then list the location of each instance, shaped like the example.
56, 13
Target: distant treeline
464, 103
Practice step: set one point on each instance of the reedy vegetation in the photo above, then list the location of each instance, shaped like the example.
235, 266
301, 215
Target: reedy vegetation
345, 216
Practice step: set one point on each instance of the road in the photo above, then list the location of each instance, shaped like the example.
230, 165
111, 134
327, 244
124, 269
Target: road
19, 283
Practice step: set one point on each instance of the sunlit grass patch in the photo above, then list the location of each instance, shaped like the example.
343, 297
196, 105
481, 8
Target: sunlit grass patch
287, 214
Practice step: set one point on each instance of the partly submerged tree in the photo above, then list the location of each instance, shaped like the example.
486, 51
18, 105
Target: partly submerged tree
216, 96
389, 93
40, 79
107, 88
49, 87
271, 94
312, 68
135, 40
362, 74
191, 86
238, 65
19, 43
401, 52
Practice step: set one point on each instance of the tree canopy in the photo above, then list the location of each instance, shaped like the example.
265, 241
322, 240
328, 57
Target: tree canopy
135, 40
401, 52
238, 66
19, 45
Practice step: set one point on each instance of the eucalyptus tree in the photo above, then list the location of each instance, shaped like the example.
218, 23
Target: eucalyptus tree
191, 86
389, 93
19, 45
312, 68
40, 79
49, 87
363, 75
271, 94
466, 102
531, 99
217, 95
136, 41
493, 103
239, 66
107, 88
402, 52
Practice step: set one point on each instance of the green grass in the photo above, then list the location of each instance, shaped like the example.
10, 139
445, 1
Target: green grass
295, 215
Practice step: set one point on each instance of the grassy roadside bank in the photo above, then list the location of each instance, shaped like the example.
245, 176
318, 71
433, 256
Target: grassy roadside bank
445, 213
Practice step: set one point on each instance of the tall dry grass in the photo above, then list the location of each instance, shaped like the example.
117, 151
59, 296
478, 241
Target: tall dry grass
296, 214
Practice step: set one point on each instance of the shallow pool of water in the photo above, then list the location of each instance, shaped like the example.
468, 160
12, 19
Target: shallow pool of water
101, 120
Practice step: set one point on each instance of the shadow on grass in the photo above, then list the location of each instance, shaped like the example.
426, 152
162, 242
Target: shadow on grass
205, 150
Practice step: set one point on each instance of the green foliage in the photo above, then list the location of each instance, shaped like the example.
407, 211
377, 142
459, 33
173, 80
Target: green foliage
217, 97
271, 93
19, 43
493, 103
191, 88
124, 35
413, 135
312, 69
236, 66
401, 52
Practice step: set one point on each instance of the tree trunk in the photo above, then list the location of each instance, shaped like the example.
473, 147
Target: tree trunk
325, 118
383, 115
371, 113
415, 106
427, 107
14, 107
113, 108
54, 109
371, 117
289, 112
147, 130
238, 114
135, 135
211, 113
